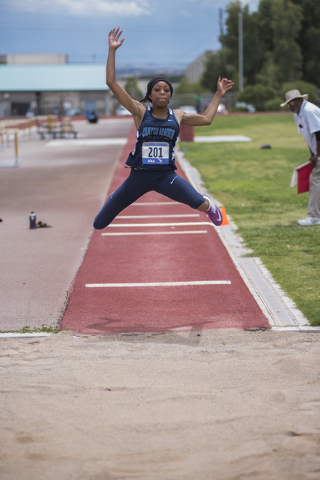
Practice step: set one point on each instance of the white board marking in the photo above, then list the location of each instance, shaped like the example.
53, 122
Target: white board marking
157, 284
182, 224
122, 234
142, 204
159, 216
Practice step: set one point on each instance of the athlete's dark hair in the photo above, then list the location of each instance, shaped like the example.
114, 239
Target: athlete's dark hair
150, 86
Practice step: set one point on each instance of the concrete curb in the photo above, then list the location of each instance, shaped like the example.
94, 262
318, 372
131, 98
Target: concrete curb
24, 335
296, 329
279, 309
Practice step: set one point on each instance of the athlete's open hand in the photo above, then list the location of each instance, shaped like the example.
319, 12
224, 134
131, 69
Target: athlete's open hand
113, 38
224, 85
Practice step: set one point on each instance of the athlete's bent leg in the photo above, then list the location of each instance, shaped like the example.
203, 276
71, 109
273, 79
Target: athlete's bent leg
180, 190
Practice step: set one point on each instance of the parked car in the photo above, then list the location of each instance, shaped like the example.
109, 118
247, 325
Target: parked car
29, 113
72, 112
188, 109
121, 111
245, 107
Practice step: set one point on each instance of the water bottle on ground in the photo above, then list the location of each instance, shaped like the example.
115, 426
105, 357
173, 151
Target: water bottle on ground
33, 220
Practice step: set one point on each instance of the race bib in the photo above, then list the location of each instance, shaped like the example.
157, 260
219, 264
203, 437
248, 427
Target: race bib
155, 153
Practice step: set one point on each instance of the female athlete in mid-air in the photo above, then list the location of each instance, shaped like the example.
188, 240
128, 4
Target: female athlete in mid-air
152, 161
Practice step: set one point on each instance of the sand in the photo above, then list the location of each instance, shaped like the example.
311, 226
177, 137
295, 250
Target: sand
215, 404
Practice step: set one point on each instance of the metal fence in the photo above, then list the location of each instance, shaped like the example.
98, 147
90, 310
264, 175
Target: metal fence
201, 101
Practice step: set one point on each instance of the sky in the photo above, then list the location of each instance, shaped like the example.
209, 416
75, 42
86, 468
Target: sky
157, 32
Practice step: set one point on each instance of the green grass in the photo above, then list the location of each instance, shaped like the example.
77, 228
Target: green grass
253, 185
34, 330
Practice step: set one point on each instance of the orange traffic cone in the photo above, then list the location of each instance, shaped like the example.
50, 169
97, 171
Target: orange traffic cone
224, 216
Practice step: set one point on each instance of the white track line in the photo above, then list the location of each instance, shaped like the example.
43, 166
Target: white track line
122, 234
182, 224
87, 142
159, 216
222, 138
158, 284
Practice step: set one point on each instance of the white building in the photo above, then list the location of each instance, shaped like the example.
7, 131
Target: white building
34, 59
46, 88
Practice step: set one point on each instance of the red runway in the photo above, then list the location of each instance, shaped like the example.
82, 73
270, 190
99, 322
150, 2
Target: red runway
160, 266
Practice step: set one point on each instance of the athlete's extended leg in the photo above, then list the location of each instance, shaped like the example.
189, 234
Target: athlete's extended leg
178, 189
132, 188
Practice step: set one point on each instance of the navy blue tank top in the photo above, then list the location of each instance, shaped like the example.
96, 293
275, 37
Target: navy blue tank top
156, 141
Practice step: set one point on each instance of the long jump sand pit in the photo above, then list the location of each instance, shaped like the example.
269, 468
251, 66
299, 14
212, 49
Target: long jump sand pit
193, 405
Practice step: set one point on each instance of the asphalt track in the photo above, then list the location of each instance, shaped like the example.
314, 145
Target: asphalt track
159, 267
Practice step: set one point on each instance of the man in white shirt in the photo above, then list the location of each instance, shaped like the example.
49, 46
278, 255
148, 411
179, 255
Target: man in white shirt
307, 117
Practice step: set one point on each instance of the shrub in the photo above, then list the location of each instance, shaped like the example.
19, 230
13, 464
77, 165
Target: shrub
239, 109
273, 105
257, 95
303, 87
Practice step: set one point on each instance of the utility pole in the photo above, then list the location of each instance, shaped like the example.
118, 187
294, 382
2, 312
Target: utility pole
221, 24
240, 53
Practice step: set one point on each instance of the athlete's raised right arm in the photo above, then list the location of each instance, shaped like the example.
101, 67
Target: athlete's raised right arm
135, 108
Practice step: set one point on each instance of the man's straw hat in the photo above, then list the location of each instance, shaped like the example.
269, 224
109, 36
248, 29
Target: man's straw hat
292, 95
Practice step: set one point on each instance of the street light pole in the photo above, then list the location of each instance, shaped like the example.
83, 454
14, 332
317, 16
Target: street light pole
240, 53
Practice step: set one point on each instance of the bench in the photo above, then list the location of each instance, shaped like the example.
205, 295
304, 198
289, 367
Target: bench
55, 129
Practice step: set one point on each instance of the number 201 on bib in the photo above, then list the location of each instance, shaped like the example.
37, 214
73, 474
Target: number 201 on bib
155, 153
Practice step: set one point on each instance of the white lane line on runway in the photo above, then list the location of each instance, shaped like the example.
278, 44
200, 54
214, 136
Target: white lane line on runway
158, 284
122, 234
87, 142
180, 224
159, 216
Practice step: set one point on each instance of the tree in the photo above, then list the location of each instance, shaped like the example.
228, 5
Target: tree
188, 87
286, 25
311, 61
252, 50
268, 75
131, 87
216, 66
264, 21
281, 43
309, 39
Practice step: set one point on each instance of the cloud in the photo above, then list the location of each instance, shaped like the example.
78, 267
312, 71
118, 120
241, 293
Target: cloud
81, 8
186, 14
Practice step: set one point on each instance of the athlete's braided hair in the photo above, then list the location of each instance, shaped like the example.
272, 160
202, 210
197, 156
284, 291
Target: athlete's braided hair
150, 86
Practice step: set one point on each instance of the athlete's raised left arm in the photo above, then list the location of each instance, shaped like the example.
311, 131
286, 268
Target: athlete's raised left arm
197, 119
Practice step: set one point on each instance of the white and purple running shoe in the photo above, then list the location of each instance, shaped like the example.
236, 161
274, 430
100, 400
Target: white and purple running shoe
213, 213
